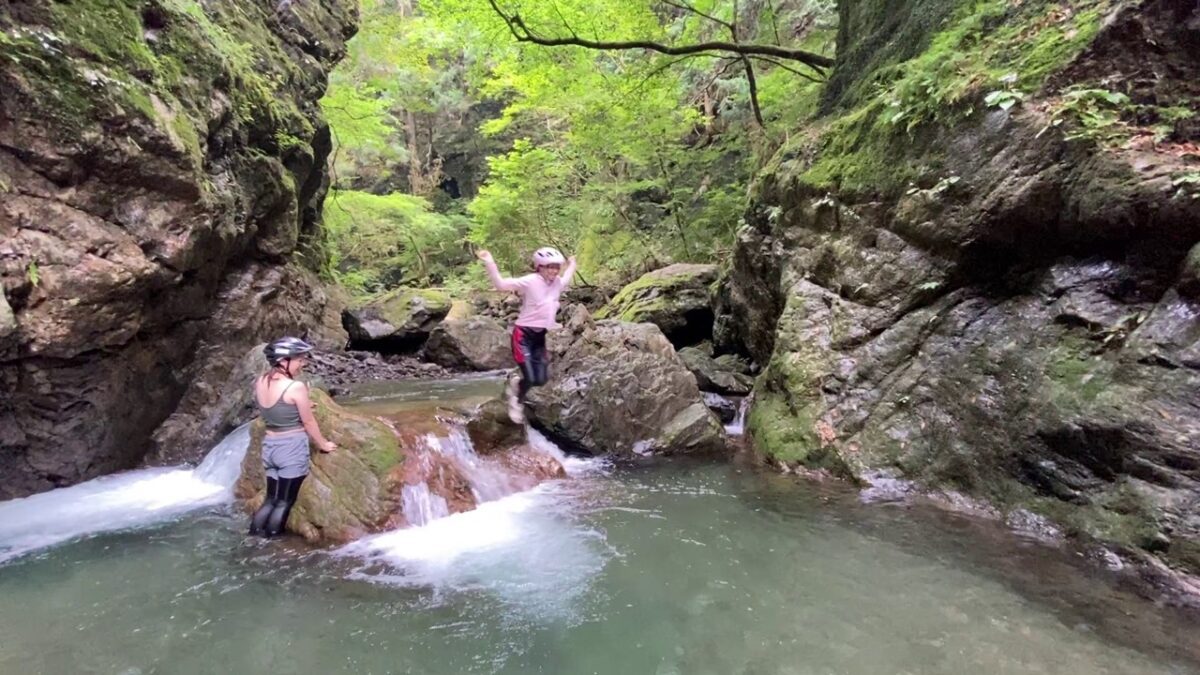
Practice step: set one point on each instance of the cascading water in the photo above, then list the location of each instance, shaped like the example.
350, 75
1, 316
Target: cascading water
422, 506
120, 501
738, 426
488, 481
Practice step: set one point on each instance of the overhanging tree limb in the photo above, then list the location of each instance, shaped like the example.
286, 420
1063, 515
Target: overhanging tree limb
523, 33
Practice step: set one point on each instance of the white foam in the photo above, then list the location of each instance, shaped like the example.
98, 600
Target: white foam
120, 501
527, 550
441, 541
574, 466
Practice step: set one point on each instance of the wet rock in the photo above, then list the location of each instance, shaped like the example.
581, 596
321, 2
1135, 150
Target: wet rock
8, 320
676, 298
723, 408
132, 216
397, 322
716, 376
477, 343
620, 389
491, 430
348, 493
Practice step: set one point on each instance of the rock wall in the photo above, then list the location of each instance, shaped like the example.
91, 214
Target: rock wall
1020, 322
162, 170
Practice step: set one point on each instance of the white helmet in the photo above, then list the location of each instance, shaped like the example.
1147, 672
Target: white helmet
547, 256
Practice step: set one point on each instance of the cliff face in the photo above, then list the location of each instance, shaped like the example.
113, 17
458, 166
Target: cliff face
162, 169
998, 299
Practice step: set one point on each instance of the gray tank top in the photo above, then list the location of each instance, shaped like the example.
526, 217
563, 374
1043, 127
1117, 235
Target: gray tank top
281, 416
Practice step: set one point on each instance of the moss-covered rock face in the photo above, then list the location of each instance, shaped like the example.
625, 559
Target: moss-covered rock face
676, 298
398, 321
977, 305
161, 180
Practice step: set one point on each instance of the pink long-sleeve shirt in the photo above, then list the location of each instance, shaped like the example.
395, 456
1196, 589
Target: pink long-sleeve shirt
539, 298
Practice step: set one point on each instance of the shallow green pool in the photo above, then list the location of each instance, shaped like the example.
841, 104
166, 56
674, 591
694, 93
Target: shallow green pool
673, 568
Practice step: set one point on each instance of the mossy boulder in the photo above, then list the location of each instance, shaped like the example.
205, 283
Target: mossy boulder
348, 493
676, 298
476, 343
398, 321
620, 389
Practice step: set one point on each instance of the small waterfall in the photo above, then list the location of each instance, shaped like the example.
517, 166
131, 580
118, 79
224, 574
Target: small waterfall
489, 482
422, 506
121, 501
574, 466
738, 426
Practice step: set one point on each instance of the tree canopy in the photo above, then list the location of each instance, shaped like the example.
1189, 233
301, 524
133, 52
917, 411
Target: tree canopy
631, 157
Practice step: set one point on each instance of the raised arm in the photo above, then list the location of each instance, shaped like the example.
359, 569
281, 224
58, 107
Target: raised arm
568, 271
304, 404
498, 282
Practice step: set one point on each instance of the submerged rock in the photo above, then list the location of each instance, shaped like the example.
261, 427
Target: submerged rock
399, 321
620, 389
676, 298
476, 343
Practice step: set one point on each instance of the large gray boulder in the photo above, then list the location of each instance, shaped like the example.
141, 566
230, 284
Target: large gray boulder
476, 343
676, 298
398, 321
620, 389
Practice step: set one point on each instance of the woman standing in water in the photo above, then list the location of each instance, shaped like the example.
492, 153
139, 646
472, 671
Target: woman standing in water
540, 293
286, 410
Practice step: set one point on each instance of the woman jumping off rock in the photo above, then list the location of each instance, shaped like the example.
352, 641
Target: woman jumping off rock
286, 410
539, 292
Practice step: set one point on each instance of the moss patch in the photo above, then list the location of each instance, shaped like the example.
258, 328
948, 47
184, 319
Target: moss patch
656, 292
881, 140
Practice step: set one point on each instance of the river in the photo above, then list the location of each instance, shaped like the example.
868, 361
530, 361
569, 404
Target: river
667, 567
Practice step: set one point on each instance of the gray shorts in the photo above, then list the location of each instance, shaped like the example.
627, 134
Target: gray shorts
286, 455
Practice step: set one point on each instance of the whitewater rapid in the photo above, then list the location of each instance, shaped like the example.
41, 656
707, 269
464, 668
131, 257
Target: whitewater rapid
121, 501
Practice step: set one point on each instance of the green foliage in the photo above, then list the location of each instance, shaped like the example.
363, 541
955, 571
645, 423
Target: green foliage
379, 241
628, 159
1093, 114
988, 53
32, 274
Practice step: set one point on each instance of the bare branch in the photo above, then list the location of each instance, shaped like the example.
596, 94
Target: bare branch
523, 33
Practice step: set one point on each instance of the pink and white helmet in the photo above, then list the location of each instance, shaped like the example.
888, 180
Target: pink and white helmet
547, 256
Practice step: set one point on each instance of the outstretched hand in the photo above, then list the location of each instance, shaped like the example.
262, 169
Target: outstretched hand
571, 259
329, 447
484, 255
